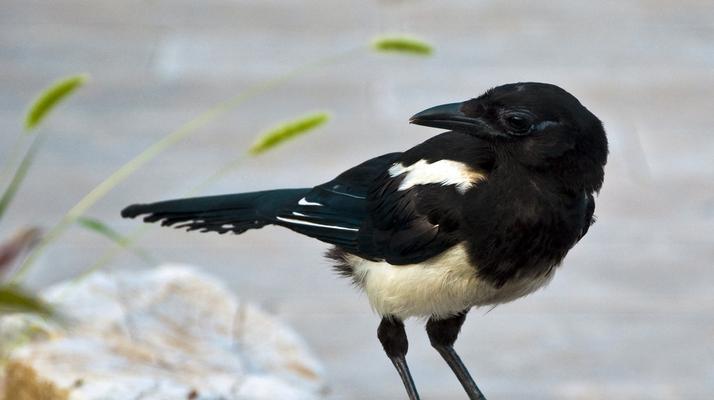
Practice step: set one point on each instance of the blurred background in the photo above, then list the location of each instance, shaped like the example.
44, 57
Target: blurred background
630, 315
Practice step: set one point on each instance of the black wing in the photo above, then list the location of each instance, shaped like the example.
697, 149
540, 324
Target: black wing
334, 212
364, 212
413, 225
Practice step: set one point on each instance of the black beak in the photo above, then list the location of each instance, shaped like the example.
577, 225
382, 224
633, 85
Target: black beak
450, 116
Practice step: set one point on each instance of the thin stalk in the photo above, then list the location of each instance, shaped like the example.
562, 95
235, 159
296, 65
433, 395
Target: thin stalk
113, 252
22, 169
12, 158
108, 232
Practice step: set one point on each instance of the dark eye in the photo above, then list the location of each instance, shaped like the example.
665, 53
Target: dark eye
518, 123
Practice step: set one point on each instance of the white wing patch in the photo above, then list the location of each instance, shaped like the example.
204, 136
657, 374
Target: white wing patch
445, 172
299, 222
304, 202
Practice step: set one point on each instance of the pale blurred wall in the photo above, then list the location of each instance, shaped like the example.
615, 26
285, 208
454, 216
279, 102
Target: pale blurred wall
628, 317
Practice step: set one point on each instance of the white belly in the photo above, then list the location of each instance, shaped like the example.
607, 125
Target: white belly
441, 286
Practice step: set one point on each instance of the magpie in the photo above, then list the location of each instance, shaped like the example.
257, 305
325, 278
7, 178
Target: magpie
479, 215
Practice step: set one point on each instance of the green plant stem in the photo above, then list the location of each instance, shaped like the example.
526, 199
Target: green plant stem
20, 174
99, 227
152, 151
12, 158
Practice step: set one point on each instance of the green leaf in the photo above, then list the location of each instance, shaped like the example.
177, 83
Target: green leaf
101, 228
13, 299
402, 44
50, 97
105, 230
287, 131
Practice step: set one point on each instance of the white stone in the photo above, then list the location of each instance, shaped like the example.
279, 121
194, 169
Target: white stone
168, 333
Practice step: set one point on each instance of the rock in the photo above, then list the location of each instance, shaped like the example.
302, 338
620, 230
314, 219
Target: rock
169, 333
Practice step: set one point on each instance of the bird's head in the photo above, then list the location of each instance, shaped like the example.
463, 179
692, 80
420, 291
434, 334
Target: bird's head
538, 125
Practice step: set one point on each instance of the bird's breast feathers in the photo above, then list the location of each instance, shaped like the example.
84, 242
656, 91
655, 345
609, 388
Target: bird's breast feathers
441, 286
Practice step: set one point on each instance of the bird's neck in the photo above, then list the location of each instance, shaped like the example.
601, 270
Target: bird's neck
568, 174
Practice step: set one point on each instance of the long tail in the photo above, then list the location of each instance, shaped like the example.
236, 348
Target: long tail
227, 213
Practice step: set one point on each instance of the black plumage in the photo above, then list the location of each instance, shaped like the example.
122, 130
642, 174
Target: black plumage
512, 184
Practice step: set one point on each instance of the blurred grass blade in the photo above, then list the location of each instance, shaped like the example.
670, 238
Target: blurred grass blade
14, 299
402, 44
50, 97
12, 157
22, 169
287, 131
103, 229
98, 226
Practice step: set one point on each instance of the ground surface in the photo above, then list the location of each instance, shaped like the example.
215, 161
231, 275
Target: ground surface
631, 314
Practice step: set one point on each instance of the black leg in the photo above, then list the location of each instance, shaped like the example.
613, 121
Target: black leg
442, 334
394, 340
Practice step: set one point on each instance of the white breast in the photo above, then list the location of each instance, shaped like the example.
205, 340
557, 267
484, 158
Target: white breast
441, 286
444, 172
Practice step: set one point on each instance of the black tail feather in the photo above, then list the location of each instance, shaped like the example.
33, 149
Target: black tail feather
227, 213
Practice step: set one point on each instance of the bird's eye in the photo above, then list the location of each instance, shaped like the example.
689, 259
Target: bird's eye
518, 123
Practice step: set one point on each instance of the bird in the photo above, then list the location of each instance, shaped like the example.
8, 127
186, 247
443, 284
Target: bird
479, 215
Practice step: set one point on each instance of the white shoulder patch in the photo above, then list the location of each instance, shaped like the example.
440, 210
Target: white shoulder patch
445, 172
